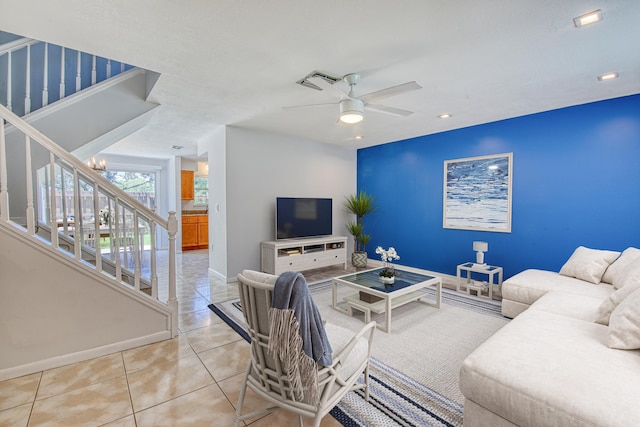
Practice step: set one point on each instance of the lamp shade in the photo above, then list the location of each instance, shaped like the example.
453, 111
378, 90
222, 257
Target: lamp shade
351, 110
480, 246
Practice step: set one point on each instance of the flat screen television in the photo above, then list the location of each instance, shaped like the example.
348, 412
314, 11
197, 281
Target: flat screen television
298, 217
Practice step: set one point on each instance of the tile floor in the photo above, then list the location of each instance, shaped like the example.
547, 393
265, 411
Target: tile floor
191, 380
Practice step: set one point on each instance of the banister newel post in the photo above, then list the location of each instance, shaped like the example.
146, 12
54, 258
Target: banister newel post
172, 229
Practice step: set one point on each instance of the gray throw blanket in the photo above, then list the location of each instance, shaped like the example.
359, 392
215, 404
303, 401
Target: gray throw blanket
297, 335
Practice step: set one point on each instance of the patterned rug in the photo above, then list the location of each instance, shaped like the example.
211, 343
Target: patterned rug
414, 369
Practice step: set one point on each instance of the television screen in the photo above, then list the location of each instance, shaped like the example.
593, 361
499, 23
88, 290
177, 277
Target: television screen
303, 217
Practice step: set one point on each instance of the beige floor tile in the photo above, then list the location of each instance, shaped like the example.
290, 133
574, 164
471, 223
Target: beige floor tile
204, 407
227, 360
128, 421
197, 319
19, 391
149, 355
16, 417
94, 405
72, 377
231, 388
212, 336
166, 381
188, 305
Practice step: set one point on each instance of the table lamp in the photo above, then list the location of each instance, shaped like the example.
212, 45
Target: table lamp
480, 248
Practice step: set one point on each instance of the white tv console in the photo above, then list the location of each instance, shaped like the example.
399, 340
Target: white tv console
279, 256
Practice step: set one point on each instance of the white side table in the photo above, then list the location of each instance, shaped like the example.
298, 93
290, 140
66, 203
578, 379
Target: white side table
489, 270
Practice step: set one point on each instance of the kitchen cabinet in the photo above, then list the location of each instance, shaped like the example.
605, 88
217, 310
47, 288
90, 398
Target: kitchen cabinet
195, 232
186, 185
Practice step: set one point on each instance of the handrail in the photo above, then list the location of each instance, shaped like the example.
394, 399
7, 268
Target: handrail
18, 44
126, 229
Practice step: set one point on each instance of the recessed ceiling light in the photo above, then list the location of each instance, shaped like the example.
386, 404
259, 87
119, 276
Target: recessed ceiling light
444, 116
357, 137
588, 18
177, 147
607, 76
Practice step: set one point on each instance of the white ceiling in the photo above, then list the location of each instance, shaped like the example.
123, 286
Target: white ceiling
236, 62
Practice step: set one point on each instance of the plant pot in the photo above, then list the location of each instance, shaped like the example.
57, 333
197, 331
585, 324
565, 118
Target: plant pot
359, 259
387, 280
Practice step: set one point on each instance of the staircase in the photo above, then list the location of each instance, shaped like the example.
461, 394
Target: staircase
80, 274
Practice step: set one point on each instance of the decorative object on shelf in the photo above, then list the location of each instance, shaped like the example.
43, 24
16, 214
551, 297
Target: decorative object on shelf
388, 273
477, 193
480, 248
360, 204
97, 165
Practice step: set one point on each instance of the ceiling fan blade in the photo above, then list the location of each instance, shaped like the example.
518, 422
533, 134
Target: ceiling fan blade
322, 83
388, 110
390, 91
293, 107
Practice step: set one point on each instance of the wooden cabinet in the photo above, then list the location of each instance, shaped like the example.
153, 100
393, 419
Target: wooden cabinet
195, 232
186, 185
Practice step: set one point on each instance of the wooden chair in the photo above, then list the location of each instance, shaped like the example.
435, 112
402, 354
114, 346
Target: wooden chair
266, 375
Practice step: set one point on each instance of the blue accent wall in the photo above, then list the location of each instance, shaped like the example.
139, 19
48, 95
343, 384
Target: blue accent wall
576, 181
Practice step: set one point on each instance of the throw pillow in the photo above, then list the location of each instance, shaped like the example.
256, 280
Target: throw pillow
624, 325
588, 264
606, 308
617, 272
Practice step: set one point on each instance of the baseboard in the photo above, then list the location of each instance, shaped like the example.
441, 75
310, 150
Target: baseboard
80, 356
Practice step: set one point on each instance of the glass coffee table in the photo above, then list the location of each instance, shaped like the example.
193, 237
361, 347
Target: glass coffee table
374, 296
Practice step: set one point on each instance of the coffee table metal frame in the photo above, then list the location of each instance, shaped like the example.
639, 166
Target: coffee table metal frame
413, 291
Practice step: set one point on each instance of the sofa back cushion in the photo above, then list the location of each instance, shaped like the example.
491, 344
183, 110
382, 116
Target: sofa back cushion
588, 264
624, 270
606, 308
624, 325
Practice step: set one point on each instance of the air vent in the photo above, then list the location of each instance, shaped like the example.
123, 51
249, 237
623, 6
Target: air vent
326, 77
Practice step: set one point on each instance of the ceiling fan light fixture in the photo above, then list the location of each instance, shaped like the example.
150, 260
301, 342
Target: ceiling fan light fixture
351, 111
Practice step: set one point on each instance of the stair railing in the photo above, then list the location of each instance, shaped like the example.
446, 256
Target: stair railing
52, 62
112, 215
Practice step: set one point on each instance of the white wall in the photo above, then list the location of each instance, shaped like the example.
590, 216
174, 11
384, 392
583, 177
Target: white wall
261, 167
54, 311
218, 202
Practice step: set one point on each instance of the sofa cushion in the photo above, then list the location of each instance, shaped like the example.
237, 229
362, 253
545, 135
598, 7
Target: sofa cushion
588, 264
606, 308
619, 272
553, 370
526, 287
577, 306
624, 325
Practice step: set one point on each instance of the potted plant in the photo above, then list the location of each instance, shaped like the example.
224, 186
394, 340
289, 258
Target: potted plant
360, 204
388, 273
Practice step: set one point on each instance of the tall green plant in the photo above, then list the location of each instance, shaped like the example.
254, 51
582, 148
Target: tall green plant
360, 204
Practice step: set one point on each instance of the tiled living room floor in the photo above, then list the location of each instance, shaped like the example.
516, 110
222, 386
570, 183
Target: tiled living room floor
192, 380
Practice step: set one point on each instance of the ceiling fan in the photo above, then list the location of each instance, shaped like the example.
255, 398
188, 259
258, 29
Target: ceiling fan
351, 106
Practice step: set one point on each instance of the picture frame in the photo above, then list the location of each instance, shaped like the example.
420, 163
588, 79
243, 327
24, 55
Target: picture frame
478, 192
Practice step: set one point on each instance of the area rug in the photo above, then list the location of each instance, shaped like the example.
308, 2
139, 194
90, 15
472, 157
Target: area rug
414, 369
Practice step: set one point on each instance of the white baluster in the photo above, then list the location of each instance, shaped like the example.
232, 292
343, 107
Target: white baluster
172, 229
45, 81
77, 223
152, 249
108, 68
79, 73
4, 194
122, 67
53, 223
31, 227
9, 89
115, 244
27, 95
136, 250
62, 77
96, 223
94, 71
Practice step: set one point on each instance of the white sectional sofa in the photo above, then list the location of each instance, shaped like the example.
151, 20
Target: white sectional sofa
554, 364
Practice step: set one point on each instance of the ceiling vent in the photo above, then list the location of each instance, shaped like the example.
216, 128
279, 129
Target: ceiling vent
326, 77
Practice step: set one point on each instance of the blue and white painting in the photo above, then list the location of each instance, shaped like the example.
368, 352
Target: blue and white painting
477, 193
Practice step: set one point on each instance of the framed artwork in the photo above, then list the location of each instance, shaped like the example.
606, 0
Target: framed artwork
477, 193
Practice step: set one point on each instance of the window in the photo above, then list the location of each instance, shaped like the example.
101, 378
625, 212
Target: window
139, 185
201, 190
